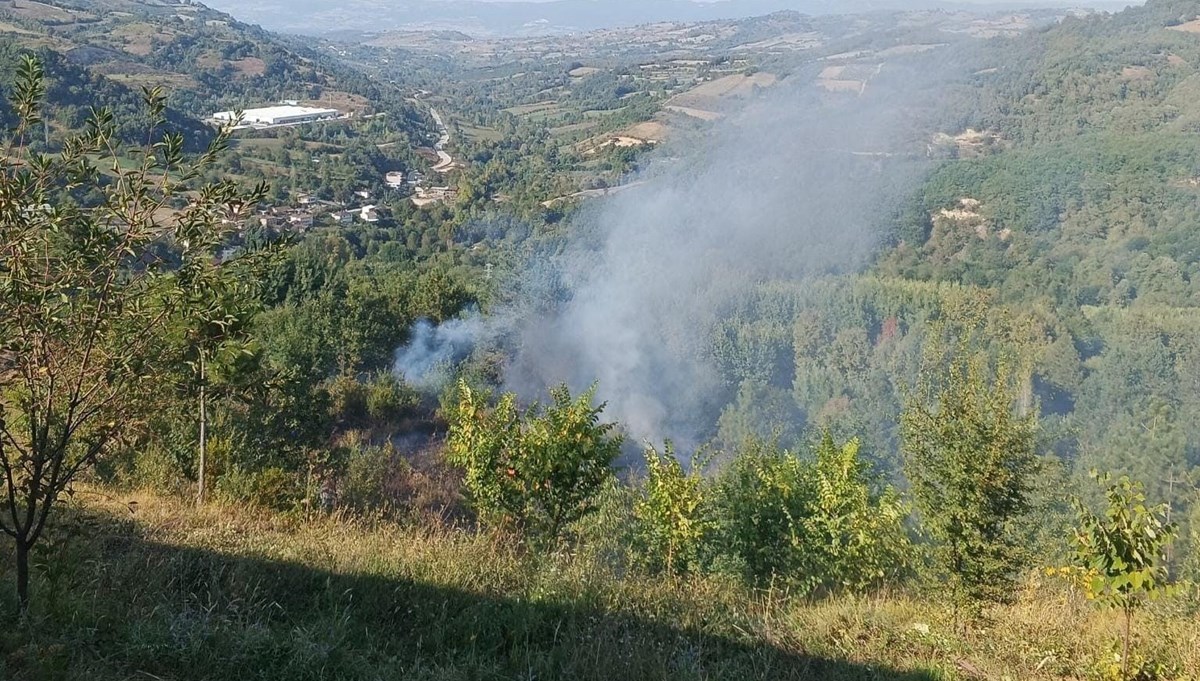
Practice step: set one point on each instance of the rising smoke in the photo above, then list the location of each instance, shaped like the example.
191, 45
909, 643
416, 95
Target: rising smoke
432, 351
799, 184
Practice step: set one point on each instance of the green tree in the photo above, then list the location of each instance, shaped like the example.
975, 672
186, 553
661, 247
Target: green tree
213, 315
856, 536
969, 456
760, 502
814, 523
1121, 552
539, 469
84, 295
672, 517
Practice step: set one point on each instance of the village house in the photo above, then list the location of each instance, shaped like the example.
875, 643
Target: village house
301, 220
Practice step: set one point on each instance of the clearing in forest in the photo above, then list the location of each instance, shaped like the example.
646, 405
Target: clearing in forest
1192, 26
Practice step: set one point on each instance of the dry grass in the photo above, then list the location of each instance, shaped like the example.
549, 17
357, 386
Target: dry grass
695, 113
250, 66
228, 591
1192, 26
648, 130
43, 12
713, 95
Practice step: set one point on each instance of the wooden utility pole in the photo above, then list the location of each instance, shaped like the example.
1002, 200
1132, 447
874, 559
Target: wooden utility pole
201, 493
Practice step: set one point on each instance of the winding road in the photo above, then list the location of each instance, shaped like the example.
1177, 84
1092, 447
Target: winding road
445, 161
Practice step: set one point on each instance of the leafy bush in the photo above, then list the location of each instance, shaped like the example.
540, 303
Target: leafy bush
349, 398
671, 514
1121, 554
814, 524
536, 470
760, 501
388, 400
856, 537
969, 452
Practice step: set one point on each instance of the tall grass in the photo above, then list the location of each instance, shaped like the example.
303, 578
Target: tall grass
226, 592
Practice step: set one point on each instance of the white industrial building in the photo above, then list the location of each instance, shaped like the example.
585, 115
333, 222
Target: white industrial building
278, 115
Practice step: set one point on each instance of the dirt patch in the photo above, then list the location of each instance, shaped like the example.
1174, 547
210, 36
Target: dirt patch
850, 78
695, 113
573, 128
44, 12
342, 101
737, 85
654, 131
139, 48
6, 27
209, 61
902, 50
1136, 73
970, 143
139, 38
1176, 60
787, 41
964, 218
620, 142
534, 108
583, 71
1192, 26
249, 67
704, 100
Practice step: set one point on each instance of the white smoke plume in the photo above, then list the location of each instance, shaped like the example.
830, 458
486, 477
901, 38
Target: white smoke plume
797, 184
432, 351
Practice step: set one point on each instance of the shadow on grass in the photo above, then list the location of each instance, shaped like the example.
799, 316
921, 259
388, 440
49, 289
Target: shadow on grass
147, 610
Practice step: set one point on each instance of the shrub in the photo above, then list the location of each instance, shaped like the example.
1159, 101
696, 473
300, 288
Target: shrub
371, 476
671, 514
349, 401
760, 502
1121, 553
970, 457
388, 400
856, 536
269, 487
814, 524
538, 470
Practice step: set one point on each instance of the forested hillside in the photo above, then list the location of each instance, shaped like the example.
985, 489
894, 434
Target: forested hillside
208, 60
792, 347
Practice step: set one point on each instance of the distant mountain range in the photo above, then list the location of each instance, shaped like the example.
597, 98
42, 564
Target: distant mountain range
499, 18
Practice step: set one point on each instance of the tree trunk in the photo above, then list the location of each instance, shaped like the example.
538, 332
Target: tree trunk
201, 493
23, 574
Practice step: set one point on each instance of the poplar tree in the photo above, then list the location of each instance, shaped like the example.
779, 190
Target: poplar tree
969, 451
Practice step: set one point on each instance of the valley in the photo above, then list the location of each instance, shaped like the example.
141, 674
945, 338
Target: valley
669, 341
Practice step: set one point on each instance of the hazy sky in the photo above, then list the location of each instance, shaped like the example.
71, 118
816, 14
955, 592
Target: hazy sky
1031, 3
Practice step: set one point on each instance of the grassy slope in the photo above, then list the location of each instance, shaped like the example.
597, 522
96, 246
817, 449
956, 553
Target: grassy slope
223, 593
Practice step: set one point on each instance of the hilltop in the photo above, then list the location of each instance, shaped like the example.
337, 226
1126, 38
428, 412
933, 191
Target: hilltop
207, 60
499, 19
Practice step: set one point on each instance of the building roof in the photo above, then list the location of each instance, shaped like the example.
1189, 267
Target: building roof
275, 112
